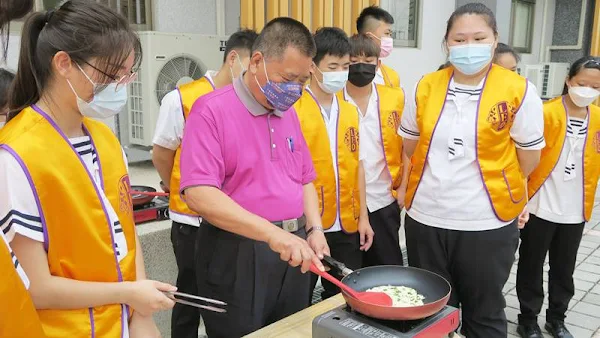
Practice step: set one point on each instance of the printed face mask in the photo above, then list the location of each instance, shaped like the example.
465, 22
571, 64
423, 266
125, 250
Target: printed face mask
333, 82
280, 95
470, 59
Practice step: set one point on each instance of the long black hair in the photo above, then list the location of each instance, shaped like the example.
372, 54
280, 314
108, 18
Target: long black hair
504, 49
85, 30
11, 10
6, 78
586, 62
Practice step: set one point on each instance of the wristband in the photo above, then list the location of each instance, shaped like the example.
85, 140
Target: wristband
314, 228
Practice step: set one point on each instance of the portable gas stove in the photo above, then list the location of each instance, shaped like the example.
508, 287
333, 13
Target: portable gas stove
342, 322
156, 210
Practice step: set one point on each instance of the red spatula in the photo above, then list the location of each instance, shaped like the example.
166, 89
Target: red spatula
375, 298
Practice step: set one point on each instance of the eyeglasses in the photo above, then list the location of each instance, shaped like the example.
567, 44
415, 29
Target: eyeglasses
120, 81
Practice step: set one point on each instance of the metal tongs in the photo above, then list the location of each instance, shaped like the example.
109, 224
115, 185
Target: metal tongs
174, 296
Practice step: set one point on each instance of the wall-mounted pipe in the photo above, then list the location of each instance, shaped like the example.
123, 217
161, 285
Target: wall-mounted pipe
220, 9
541, 55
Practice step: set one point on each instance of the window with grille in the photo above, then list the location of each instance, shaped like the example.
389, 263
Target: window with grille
136, 11
523, 15
406, 19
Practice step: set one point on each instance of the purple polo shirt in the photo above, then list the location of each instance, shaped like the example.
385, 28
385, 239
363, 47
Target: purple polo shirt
257, 157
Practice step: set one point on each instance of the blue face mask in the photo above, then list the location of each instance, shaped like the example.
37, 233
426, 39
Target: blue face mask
106, 103
280, 95
470, 59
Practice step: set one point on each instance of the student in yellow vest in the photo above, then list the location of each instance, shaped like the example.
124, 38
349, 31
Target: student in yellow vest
380, 109
17, 313
19, 318
174, 111
377, 24
64, 181
474, 131
562, 190
331, 128
506, 57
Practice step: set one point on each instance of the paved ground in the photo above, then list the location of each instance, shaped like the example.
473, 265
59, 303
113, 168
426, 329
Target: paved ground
583, 317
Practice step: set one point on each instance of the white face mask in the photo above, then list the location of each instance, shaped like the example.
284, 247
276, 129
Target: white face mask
106, 103
583, 96
333, 82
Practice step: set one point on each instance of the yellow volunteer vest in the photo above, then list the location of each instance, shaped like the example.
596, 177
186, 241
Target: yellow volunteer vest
189, 93
391, 106
390, 76
346, 160
77, 233
17, 313
555, 133
496, 153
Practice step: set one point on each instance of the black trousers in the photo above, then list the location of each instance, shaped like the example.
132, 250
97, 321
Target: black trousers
477, 265
344, 248
386, 243
258, 287
185, 319
562, 242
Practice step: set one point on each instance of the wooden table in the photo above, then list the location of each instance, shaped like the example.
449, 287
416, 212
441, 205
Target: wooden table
298, 325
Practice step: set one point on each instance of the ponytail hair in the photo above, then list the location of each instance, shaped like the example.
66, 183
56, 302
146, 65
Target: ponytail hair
26, 88
83, 29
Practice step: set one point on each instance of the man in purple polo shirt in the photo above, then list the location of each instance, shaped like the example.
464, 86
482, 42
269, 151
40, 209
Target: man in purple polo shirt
247, 171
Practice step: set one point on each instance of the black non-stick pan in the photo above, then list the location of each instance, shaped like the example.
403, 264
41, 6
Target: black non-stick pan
433, 287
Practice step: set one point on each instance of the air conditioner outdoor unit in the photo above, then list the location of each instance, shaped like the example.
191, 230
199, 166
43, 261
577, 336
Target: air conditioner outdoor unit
169, 60
548, 78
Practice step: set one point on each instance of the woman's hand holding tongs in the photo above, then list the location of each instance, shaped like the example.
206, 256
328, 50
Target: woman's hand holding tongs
146, 296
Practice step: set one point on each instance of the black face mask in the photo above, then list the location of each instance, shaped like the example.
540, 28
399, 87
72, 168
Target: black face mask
361, 74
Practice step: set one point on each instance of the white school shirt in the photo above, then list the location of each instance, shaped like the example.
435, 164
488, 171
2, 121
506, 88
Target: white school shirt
15, 261
379, 78
19, 213
169, 134
377, 176
451, 194
561, 201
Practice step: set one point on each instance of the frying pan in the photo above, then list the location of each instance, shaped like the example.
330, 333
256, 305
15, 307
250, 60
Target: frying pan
141, 195
434, 287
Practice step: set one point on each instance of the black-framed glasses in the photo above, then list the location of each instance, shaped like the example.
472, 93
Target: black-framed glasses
120, 81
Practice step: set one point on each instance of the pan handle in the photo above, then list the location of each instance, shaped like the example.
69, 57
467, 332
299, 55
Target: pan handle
341, 268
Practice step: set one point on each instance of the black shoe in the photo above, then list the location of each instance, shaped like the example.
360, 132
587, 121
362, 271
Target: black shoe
530, 331
558, 329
